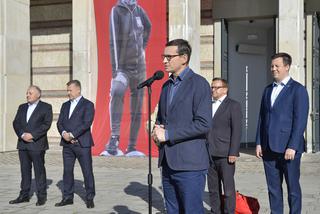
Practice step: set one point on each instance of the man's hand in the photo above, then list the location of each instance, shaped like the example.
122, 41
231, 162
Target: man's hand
289, 154
66, 136
158, 134
27, 137
232, 159
258, 151
73, 141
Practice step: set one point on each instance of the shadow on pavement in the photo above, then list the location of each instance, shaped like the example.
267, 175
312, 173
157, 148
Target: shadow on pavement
141, 191
33, 189
78, 189
123, 210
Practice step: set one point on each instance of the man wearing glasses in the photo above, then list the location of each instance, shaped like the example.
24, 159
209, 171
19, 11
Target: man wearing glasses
224, 143
183, 121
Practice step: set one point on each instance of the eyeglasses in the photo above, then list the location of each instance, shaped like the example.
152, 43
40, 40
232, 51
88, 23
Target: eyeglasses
217, 87
169, 57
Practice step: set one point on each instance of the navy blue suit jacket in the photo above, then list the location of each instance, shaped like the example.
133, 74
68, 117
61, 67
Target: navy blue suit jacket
79, 123
38, 125
187, 120
282, 126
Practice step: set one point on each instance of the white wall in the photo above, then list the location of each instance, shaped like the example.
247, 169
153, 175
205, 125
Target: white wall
184, 23
14, 65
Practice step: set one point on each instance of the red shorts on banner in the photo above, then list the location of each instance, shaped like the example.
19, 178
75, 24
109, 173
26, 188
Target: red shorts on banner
246, 204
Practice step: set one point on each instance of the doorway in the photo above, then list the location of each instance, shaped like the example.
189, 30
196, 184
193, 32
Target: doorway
250, 45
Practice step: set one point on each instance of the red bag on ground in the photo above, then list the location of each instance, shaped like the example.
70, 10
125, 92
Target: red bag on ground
246, 204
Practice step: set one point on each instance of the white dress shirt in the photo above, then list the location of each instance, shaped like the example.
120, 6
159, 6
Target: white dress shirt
277, 88
216, 104
73, 105
31, 108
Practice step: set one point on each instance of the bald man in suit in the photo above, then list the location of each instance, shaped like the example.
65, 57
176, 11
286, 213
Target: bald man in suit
31, 124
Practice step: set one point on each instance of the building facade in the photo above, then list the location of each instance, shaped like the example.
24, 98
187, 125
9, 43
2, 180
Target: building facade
49, 42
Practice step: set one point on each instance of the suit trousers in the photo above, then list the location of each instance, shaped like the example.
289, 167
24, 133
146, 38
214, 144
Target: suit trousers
276, 167
27, 159
221, 173
183, 190
70, 154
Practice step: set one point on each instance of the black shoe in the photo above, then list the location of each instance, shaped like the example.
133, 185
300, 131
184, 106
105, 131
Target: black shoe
41, 201
64, 202
90, 204
18, 200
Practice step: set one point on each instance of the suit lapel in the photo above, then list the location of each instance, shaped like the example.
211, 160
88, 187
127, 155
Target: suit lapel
24, 113
164, 101
282, 92
268, 96
68, 109
76, 108
221, 108
34, 113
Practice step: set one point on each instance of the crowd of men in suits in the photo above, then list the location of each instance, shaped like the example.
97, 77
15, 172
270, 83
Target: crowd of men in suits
197, 131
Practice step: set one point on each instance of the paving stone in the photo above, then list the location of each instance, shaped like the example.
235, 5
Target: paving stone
121, 185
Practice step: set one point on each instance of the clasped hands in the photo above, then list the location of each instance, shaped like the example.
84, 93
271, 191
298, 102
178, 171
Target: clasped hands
27, 137
67, 136
158, 134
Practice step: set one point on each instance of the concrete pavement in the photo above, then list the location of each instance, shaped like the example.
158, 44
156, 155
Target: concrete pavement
121, 185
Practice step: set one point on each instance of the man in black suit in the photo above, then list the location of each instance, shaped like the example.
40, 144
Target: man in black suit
224, 143
31, 124
74, 123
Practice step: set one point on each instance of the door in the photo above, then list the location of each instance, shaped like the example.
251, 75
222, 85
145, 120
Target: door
251, 43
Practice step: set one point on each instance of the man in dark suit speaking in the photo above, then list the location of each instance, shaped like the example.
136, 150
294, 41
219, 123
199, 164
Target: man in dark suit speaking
31, 125
74, 125
183, 121
224, 143
280, 141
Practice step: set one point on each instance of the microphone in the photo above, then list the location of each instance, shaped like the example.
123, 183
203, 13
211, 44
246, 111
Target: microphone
158, 75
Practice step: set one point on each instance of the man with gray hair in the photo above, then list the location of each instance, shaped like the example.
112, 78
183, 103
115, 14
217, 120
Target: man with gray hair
129, 34
31, 124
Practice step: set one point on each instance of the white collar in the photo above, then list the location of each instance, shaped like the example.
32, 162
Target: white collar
76, 100
221, 99
284, 81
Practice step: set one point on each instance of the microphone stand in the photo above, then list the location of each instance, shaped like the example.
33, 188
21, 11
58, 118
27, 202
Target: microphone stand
150, 177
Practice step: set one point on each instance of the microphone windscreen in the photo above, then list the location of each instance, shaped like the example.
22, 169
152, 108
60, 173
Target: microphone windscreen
158, 75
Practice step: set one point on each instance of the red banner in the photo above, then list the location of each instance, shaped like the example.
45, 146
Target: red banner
156, 11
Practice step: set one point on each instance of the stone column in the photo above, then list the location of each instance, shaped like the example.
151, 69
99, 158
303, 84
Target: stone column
291, 33
309, 79
291, 40
217, 49
14, 65
85, 65
184, 22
